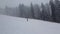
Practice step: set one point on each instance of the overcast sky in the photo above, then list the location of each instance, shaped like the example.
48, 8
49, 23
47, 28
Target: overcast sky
14, 3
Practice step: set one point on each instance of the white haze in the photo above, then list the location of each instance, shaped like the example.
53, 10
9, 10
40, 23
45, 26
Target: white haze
15, 3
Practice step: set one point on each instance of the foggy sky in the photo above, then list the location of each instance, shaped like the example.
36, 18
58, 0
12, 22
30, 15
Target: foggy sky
14, 3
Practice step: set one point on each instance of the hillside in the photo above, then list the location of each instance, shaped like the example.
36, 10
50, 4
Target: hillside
16, 25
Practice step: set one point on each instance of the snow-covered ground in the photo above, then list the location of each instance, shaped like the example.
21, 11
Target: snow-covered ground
16, 25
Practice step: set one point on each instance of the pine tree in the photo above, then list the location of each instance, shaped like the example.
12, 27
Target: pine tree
53, 10
57, 10
21, 9
32, 11
43, 11
48, 11
37, 11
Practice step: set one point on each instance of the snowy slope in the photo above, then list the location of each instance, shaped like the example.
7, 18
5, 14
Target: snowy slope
16, 25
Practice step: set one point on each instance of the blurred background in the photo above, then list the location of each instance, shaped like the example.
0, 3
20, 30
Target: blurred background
47, 10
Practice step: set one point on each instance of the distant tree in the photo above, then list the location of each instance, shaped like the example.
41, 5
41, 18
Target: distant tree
57, 10
43, 11
56, 1
48, 10
32, 11
53, 10
6, 10
21, 9
37, 11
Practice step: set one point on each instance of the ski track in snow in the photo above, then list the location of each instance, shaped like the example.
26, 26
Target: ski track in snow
16, 25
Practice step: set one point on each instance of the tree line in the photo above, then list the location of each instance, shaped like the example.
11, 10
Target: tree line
48, 11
